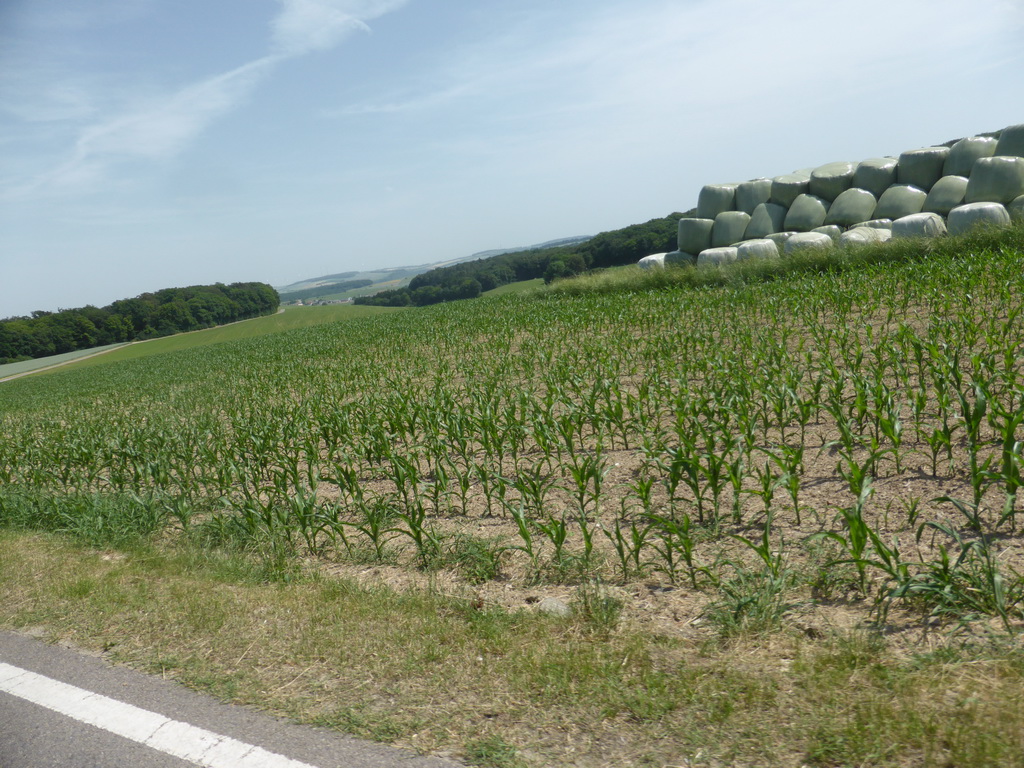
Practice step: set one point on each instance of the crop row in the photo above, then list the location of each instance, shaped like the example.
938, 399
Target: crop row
626, 433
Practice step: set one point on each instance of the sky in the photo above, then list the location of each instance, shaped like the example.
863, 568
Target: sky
147, 144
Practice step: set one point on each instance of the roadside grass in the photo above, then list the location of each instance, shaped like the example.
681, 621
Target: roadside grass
291, 318
27, 366
437, 674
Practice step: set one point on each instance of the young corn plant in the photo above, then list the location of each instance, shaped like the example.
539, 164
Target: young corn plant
672, 539
1006, 421
628, 544
858, 534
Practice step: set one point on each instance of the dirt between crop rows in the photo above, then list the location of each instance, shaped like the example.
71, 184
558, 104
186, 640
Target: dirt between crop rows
825, 595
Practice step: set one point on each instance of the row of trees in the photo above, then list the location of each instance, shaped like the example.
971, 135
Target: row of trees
469, 279
165, 312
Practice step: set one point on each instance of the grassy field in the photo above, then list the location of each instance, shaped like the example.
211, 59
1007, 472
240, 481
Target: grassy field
521, 287
756, 516
290, 318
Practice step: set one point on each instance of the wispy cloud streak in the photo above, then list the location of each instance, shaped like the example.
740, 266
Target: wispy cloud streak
162, 128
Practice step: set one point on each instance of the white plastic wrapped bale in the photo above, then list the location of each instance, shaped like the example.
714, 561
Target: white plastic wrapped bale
1011, 141
864, 236
947, 193
876, 224
780, 238
1016, 209
831, 180
654, 261
900, 200
807, 241
787, 188
851, 207
767, 218
717, 256
831, 230
921, 168
996, 180
715, 199
965, 152
967, 217
876, 175
762, 248
694, 235
751, 194
919, 225
806, 213
679, 258
730, 227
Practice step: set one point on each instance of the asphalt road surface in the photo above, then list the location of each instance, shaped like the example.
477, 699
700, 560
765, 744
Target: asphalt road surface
60, 707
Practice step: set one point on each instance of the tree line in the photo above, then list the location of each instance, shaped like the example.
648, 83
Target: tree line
165, 312
469, 279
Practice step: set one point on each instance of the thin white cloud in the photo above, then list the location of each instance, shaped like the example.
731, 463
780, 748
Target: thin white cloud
304, 26
161, 128
630, 71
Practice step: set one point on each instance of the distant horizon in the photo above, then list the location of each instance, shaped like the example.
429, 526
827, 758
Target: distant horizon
149, 144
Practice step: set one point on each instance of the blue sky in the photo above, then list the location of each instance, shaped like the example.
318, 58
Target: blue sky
155, 143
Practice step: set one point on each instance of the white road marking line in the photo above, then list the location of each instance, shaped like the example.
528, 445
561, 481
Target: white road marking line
171, 737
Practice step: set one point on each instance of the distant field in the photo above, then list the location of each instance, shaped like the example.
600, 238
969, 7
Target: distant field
520, 287
292, 317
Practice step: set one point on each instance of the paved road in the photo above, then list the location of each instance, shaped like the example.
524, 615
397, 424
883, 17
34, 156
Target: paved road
50, 695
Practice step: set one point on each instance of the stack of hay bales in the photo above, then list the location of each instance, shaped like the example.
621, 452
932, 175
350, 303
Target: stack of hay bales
977, 181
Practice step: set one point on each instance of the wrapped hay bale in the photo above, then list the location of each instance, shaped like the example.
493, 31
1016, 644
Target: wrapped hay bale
654, 261
808, 241
780, 238
751, 194
947, 193
806, 213
717, 256
1011, 141
694, 235
864, 236
966, 217
921, 168
876, 175
996, 180
767, 218
787, 188
762, 248
919, 225
730, 227
679, 258
831, 230
1016, 209
876, 224
831, 180
715, 199
965, 152
900, 200
851, 207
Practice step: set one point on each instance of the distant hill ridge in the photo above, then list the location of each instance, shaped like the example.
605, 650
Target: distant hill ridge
395, 278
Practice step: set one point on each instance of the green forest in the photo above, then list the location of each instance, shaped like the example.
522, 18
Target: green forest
165, 312
468, 280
